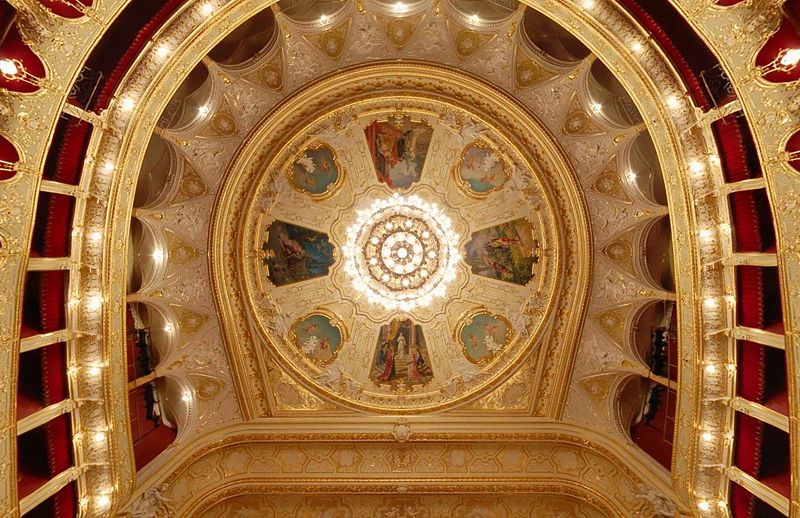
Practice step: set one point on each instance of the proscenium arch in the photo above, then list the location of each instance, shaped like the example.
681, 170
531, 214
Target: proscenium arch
261, 499
604, 42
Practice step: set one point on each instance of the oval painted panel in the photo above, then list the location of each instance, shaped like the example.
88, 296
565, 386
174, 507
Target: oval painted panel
316, 172
483, 336
318, 337
482, 170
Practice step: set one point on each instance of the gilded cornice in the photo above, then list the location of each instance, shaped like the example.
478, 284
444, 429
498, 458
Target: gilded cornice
648, 77
410, 489
124, 139
122, 144
127, 167
395, 457
258, 502
63, 46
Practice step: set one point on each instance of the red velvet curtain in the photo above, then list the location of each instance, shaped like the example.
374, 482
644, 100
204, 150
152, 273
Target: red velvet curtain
737, 149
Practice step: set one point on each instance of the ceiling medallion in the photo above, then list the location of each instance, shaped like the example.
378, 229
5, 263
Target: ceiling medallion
401, 252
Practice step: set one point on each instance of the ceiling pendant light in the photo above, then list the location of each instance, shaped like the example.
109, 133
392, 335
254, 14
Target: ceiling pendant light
402, 252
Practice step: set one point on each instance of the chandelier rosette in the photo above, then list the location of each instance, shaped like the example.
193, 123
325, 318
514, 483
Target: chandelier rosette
402, 252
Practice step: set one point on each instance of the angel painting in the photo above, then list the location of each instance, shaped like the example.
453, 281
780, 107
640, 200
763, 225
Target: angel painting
316, 171
398, 148
401, 356
293, 253
318, 337
482, 170
484, 335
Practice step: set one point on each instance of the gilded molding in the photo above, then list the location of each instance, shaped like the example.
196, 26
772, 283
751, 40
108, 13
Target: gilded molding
331, 458
736, 35
29, 120
603, 30
123, 144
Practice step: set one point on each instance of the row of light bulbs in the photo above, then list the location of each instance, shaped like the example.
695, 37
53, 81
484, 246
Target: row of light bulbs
715, 307
101, 498
403, 8
697, 168
712, 303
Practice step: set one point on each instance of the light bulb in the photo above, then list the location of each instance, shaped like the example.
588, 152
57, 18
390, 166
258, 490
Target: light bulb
790, 58
8, 67
163, 50
103, 500
696, 167
127, 104
399, 7
94, 303
706, 234
158, 255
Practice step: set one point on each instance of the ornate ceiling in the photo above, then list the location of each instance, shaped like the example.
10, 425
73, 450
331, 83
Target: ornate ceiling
420, 133
242, 222
508, 146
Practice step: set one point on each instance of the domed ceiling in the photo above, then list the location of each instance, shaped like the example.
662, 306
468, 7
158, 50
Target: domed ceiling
399, 246
398, 258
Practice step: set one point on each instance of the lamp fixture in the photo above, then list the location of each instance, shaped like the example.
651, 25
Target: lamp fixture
401, 252
13, 69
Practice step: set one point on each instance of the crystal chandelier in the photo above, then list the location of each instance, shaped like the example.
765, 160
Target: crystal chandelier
401, 252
